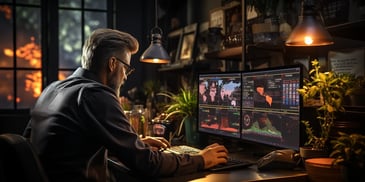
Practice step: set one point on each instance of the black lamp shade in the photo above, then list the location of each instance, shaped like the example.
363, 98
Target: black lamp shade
155, 53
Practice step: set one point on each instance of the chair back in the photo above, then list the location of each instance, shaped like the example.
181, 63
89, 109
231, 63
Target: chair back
19, 161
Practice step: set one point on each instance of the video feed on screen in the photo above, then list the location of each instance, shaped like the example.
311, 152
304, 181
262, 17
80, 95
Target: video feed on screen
271, 107
219, 104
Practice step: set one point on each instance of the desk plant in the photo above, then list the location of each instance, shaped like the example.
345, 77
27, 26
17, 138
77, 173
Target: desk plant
183, 105
349, 151
329, 89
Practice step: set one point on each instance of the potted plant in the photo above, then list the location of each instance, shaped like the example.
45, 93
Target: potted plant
183, 105
328, 90
348, 150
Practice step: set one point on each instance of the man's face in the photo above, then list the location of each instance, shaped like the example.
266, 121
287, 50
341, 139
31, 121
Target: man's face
117, 76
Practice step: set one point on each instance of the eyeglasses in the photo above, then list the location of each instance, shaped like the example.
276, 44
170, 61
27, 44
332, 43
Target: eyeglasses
128, 68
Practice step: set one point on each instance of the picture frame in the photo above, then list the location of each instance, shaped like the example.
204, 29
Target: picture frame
217, 18
233, 18
202, 40
173, 44
187, 44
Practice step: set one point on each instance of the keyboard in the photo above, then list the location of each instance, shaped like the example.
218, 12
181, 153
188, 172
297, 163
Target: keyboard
232, 163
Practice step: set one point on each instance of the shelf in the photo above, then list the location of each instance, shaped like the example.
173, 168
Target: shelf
175, 66
229, 53
278, 47
350, 30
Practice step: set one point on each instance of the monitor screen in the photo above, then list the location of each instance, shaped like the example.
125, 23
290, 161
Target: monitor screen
219, 104
271, 106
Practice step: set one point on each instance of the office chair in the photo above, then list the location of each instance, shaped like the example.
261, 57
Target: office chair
19, 161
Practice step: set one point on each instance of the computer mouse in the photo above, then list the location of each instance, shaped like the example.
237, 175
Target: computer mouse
278, 159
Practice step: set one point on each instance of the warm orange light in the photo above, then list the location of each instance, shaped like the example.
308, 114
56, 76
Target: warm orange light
308, 40
61, 76
33, 83
17, 100
30, 52
9, 97
8, 52
6, 10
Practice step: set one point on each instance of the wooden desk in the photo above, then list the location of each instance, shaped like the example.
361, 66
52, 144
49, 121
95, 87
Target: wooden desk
240, 175
243, 174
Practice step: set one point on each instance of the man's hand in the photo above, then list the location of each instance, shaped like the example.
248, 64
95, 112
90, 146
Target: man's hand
156, 143
214, 154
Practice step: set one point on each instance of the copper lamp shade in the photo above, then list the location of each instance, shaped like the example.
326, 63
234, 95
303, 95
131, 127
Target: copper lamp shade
309, 31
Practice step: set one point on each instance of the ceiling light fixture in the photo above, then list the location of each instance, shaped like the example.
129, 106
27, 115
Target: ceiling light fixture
155, 53
309, 31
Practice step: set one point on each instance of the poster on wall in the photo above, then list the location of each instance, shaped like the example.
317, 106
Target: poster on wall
348, 61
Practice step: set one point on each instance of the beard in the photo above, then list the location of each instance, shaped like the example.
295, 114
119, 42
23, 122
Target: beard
115, 82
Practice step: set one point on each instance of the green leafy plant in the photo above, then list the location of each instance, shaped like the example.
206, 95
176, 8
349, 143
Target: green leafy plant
329, 89
349, 150
182, 104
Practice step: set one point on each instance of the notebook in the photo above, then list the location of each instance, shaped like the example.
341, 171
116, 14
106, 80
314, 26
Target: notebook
232, 163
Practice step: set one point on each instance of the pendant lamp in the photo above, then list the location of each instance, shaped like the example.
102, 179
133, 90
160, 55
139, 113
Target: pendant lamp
155, 53
309, 31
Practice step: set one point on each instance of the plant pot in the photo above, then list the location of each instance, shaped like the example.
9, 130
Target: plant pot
321, 169
309, 152
191, 132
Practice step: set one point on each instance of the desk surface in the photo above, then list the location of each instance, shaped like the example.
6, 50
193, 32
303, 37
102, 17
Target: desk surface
240, 175
243, 174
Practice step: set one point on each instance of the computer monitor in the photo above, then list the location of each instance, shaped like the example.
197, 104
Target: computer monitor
219, 104
271, 106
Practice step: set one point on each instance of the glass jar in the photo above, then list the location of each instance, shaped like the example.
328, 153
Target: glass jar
138, 121
162, 128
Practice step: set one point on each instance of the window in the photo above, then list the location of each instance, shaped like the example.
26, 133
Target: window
20, 56
77, 19
22, 72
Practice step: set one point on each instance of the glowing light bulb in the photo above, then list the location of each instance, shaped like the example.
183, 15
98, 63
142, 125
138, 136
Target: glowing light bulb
308, 40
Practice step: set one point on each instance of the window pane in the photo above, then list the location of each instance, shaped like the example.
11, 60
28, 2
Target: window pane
34, 2
6, 90
28, 37
64, 74
69, 3
29, 87
6, 37
94, 20
70, 39
95, 4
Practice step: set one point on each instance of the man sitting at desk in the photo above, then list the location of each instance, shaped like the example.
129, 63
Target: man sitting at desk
77, 122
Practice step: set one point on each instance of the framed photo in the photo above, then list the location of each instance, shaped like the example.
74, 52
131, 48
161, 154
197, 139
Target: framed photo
173, 42
202, 40
217, 19
233, 18
187, 45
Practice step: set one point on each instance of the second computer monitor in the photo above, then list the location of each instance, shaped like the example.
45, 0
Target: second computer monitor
271, 106
219, 104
